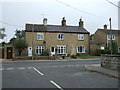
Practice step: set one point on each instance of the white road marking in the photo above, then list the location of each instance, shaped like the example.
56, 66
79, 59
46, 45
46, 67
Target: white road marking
77, 65
38, 71
70, 65
54, 66
29, 67
9, 69
2, 68
96, 64
62, 66
56, 85
21, 68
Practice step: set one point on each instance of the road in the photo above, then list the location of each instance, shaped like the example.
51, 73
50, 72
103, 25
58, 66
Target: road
54, 74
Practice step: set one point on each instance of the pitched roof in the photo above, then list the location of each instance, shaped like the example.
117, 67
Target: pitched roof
55, 28
115, 32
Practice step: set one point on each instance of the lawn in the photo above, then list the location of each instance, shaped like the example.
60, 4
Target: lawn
89, 56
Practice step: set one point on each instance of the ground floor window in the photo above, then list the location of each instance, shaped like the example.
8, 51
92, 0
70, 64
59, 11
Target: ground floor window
118, 49
61, 49
80, 49
39, 49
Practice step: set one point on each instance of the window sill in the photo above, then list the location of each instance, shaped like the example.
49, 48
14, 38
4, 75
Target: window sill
81, 52
80, 40
60, 40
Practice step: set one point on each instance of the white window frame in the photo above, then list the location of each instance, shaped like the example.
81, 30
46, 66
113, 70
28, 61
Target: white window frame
109, 37
80, 36
119, 49
39, 49
60, 36
61, 49
83, 49
40, 36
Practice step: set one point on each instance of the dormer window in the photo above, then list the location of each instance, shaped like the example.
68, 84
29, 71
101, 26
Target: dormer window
60, 36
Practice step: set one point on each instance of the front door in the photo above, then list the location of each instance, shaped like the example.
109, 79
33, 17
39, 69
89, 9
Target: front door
2, 52
9, 52
29, 51
52, 49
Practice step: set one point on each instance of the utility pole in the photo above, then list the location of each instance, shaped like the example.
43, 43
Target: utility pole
110, 36
32, 39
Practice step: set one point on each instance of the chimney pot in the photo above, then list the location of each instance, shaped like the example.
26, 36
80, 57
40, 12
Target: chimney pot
63, 22
81, 23
45, 21
105, 27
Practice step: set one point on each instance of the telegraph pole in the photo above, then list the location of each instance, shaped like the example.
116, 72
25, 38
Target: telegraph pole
32, 39
110, 36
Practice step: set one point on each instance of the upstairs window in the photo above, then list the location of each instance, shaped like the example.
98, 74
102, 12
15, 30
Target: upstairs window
80, 49
80, 36
40, 36
110, 37
60, 36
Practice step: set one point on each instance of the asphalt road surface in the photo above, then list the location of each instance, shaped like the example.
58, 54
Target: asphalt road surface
54, 74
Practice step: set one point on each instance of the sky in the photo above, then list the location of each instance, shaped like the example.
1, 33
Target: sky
14, 14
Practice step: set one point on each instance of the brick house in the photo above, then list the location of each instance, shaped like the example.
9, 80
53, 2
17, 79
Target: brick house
101, 39
57, 39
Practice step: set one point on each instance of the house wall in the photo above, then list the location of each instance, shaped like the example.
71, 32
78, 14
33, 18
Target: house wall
100, 37
70, 40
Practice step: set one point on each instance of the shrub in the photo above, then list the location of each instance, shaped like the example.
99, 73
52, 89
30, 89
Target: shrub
78, 54
99, 52
73, 56
45, 53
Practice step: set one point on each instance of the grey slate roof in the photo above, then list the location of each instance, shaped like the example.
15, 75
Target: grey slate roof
55, 28
115, 32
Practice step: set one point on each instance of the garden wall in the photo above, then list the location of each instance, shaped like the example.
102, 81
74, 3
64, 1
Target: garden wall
35, 58
110, 61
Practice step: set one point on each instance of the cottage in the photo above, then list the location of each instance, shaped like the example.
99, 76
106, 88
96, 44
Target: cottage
57, 39
102, 38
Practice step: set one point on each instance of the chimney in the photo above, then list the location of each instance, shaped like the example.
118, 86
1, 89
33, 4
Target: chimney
105, 27
81, 23
63, 22
45, 21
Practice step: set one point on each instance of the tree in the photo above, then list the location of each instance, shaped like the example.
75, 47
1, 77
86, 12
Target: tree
19, 42
2, 35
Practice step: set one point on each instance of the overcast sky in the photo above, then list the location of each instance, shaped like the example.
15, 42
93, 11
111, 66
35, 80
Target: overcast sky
95, 13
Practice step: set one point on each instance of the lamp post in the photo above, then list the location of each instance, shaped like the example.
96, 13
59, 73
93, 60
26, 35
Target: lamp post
110, 36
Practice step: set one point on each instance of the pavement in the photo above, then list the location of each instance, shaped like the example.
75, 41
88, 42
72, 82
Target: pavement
66, 59
97, 68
